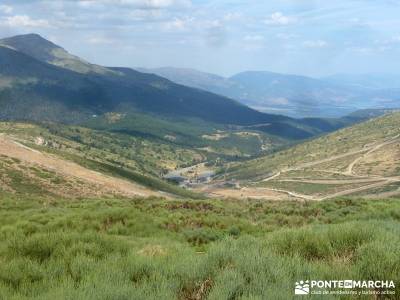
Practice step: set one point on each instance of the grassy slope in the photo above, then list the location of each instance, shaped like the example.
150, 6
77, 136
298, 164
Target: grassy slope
157, 249
132, 158
188, 132
342, 141
141, 156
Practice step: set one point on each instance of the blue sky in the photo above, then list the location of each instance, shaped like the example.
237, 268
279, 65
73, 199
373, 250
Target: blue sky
310, 37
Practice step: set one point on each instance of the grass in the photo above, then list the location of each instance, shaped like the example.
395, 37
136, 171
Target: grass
190, 249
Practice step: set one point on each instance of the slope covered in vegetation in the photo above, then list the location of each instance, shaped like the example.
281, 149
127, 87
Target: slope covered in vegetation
158, 249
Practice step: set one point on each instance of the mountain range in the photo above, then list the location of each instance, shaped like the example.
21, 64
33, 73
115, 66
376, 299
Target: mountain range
294, 95
41, 81
44, 76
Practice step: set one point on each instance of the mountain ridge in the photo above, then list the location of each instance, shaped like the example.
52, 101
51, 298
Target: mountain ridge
40, 89
119, 86
289, 94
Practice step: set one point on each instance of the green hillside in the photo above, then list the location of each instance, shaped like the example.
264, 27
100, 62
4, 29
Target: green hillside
362, 159
143, 156
134, 159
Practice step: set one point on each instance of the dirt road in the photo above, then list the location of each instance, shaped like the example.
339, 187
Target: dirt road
375, 180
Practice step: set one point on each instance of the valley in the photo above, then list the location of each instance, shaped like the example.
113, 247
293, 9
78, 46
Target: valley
120, 184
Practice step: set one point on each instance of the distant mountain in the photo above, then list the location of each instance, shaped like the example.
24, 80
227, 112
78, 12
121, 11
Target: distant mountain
293, 95
194, 78
366, 81
297, 95
40, 81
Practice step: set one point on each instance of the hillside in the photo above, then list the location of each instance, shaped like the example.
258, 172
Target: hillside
104, 163
358, 160
27, 171
197, 79
43, 50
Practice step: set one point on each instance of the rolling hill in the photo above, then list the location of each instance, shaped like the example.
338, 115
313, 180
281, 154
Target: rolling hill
359, 160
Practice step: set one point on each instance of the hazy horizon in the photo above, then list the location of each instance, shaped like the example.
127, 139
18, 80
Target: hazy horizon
311, 38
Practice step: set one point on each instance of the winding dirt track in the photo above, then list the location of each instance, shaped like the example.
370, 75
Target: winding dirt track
376, 181
11, 148
349, 170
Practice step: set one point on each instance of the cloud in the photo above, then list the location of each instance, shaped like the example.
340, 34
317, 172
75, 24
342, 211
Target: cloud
232, 16
280, 19
392, 40
253, 38
142, 4
388, 43
216, 35
6, 9
253, 42
279, 100
396, 39
100, 41
315, 44
286, 36
178, 24
362, 50
25, 21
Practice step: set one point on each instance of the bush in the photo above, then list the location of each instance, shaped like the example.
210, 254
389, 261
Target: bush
201, 236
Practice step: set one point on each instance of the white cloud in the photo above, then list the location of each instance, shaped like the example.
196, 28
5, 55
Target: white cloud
396, 39
232, 16
286, 36
100, 41
6, 9
315, 44
25, 21
393, 40
216, 34
177, 24
278, 18
362, 50
149, 4
253, 38
279, 100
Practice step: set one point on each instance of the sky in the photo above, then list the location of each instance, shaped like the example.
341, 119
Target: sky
308, 37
